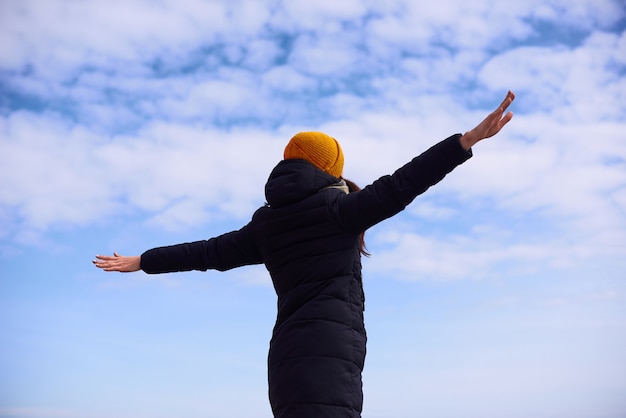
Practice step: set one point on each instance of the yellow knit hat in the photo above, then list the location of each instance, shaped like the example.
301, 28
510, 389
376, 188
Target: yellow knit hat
317, 148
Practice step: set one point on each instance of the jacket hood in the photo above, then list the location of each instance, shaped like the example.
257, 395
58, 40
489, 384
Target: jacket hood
294, 180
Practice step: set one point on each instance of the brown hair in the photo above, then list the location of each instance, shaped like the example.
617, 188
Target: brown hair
353, 187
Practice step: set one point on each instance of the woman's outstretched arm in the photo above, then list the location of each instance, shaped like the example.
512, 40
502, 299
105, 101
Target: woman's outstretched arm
224, 252
391, 194
116, 262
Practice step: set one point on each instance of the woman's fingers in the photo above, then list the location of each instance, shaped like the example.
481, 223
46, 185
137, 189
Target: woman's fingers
510, 96
106, 262
117, 262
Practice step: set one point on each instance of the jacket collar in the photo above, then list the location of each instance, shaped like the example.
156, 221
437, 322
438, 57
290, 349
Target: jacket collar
341, 185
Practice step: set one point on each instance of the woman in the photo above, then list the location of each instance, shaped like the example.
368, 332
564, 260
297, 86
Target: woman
309, 236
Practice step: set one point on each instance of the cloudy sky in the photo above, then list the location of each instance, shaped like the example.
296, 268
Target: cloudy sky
126, 125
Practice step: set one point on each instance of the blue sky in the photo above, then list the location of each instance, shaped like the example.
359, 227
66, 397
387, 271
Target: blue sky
129, 125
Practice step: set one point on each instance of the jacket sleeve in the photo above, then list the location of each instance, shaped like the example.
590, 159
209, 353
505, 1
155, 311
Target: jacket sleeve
392, 193
224, 252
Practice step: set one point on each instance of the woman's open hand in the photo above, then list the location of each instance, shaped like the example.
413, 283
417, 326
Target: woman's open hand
491, 125
118, 262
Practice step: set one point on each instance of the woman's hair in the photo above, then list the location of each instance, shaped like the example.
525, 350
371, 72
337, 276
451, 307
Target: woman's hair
353, 187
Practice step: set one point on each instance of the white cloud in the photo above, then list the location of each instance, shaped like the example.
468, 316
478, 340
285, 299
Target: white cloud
152, 117
285, 79
169, 162
584, 14
54, 173
580, 84
46, 171
322, 56
217, 98
262, 54
323, 15
427, 210
478, 254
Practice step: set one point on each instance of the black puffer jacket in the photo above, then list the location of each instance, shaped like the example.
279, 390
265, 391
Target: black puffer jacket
308, 237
